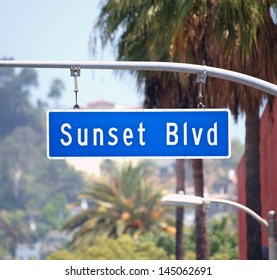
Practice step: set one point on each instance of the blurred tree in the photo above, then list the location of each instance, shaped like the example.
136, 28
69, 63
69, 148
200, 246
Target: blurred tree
123, 202
246, 42
164, 240
28, 178
223, 238
55, 213
15, 229
4, 253
56, 90
122, 248
236, 35
222, 235
14, 91
20, 155
29, 181
148, 33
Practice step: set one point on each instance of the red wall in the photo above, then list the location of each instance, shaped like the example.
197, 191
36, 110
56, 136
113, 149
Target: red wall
268, 169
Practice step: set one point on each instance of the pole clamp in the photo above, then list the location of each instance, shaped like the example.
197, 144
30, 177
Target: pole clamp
75, 72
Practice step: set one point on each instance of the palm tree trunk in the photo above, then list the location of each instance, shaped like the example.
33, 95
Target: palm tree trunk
253, 196
180, 187
202, 245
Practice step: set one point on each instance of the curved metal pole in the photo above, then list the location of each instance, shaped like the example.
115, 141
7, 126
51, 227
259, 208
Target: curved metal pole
151, 66
183, 200
240, 206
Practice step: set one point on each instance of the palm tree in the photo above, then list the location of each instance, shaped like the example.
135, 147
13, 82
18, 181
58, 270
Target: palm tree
141, 24
180, 187
123, 201
248, 45
250, 27
15, 229
55, 92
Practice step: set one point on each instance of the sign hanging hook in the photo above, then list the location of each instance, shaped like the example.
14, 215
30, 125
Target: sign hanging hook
75, 72
201, 79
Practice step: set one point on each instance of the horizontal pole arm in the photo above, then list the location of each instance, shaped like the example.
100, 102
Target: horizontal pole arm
150, 66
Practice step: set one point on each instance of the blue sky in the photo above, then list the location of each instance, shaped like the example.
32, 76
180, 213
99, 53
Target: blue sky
60, 30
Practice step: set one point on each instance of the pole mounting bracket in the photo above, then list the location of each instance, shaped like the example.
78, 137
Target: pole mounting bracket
75, 72
201, 77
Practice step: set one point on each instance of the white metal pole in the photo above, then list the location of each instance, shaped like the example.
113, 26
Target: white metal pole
270, 226
150, 66
272, 236
242, 207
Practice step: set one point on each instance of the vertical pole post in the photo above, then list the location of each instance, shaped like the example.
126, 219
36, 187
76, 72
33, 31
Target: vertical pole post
272, 236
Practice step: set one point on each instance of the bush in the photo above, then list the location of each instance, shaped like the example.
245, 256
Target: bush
122, 248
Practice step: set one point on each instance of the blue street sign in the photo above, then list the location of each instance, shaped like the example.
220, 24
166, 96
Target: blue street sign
182, 133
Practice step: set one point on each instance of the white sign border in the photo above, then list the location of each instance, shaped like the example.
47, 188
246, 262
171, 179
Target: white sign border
141, 110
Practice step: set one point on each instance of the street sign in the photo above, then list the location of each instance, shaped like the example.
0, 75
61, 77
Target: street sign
180, 133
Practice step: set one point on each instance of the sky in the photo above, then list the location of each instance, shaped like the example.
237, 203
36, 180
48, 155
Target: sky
60, 30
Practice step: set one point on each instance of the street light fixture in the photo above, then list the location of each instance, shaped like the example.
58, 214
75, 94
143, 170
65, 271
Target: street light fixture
182, 200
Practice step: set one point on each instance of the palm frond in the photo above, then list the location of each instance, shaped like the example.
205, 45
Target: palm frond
126, 202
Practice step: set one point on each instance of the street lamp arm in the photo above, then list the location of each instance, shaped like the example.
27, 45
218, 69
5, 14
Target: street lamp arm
183, 200
240, 206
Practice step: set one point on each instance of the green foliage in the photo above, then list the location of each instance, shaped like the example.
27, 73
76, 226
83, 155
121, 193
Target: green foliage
63, 254
242, 22
54, 213
189, 236
124, 201
122, 248
222, 238
31, 186
14, 228
4, 253
28, 178
55, 92
163, 240
16, 109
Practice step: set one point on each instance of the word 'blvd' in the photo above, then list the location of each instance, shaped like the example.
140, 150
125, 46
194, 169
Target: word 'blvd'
172, 135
